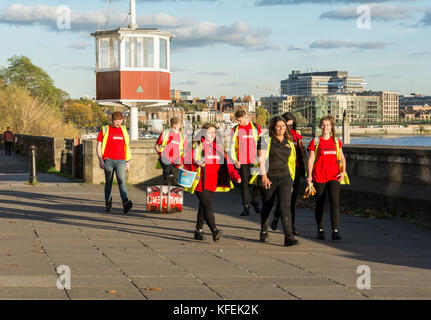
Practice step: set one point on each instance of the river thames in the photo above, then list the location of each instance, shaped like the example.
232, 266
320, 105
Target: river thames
394, 141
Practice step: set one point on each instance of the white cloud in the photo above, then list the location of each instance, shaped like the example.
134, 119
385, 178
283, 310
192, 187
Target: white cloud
335, 44
296, 2
80, 45
188, 32
383, 12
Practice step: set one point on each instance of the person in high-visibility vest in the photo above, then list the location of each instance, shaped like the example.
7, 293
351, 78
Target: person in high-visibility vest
326, 171
277, 165
170, 148
114, 155
299, 172
244, 138
214, 173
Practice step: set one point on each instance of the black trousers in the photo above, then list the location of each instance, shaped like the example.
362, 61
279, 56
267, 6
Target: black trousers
294, 197
8, 147
206, 210
244, 172
331, 190
281, 189
168, 170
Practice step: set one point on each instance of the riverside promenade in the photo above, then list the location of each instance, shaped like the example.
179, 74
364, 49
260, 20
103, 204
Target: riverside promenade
151, 256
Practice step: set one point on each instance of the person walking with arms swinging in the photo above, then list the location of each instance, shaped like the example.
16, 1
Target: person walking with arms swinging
326, 171
215, 173
277, 166
244, 138
114, 155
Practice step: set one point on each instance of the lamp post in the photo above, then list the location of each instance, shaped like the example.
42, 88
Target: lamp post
32, 164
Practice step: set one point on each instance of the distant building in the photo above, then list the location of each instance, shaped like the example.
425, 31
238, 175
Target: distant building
318, 83
390, 105
415, 99
276, 105
416, 113
367, 106
178, 95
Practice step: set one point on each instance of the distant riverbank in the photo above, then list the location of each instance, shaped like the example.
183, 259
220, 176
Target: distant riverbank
389, 136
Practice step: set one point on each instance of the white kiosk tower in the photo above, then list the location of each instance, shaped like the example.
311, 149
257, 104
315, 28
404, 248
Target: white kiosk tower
133, 68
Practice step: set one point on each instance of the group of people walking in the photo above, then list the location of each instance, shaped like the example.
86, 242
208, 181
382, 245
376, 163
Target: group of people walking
271, 165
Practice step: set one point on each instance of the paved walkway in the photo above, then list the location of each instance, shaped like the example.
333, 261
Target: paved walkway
151, 256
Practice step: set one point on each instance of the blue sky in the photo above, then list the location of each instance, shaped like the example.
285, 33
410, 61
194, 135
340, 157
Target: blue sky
234, 47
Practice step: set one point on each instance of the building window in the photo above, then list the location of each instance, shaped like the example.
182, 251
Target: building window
139, 52
163, 54
108, 53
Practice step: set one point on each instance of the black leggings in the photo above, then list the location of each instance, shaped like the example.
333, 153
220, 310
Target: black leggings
281, 188
206, 210
7, 147
295, 194
244, 171
332, 189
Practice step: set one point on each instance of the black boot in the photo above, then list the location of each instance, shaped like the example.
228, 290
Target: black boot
290, 242
245, 212
320, 234
263, 236
274, 224
108, 206
127, 206
217, 234
336, 235
199, 235
256, 207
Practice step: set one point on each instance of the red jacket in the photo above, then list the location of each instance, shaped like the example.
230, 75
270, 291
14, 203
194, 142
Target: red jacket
218, 170
8, 136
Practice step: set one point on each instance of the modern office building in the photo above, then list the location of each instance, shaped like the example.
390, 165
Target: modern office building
318, 83
415, 99
180, 95
390, 105
357, 107
277, 105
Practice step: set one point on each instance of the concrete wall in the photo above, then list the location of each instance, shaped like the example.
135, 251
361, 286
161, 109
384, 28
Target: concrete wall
398, 164
389, 180
142, 165
48, 149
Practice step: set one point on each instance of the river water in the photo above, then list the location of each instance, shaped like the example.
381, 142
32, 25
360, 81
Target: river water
394, 141
421, 141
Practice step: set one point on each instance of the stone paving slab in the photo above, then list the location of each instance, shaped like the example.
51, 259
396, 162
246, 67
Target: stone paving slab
153, 256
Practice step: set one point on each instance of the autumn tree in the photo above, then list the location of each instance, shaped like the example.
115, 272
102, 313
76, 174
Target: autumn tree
262, 117
27, 115
22, 72
79, 114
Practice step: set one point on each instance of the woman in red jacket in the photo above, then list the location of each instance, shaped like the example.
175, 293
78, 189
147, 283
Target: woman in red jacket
325, 171
214, 174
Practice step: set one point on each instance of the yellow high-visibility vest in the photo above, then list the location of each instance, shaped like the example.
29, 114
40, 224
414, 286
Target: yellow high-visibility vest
235, 144
291, 162
126, 141
165, 143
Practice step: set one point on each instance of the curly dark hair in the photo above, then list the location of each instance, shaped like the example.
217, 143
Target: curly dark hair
272, 125
289, 116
